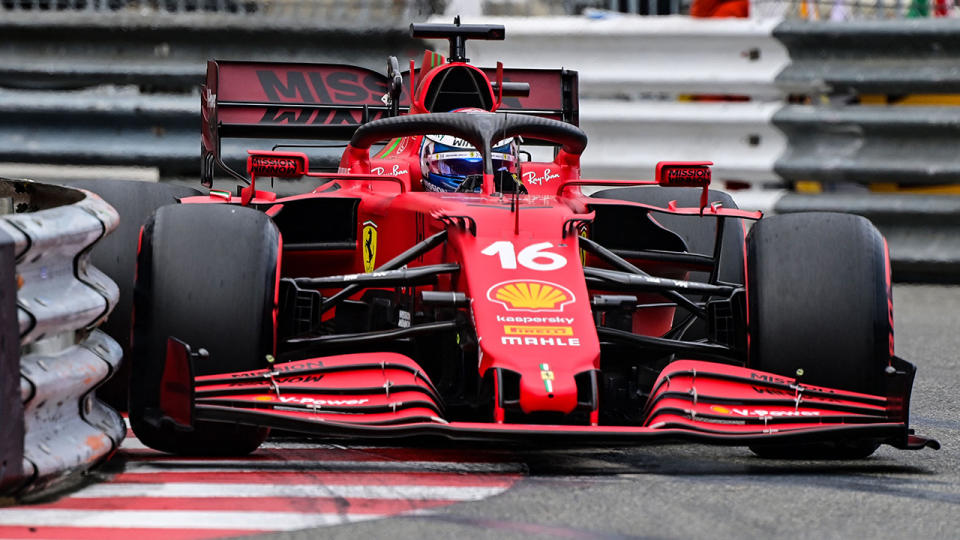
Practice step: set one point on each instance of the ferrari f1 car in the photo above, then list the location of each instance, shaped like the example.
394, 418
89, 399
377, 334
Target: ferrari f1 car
514, 308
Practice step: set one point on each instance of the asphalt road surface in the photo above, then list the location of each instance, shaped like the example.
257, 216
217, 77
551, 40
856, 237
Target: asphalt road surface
693, 491
317, 490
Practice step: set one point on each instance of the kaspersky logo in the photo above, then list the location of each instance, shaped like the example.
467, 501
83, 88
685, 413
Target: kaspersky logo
530, 295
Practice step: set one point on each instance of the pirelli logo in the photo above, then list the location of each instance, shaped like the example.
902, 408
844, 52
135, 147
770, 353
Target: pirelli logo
516, 330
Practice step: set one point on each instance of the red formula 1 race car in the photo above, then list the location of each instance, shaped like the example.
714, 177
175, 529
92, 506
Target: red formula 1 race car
450, 285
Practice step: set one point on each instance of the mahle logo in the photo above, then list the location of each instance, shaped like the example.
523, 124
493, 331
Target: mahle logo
530, 295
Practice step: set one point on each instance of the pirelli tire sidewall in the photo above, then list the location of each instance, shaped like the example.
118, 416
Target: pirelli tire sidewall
820, 310
819, 300
207, 275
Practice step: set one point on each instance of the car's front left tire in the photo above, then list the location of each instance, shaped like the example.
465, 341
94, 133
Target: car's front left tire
206, 275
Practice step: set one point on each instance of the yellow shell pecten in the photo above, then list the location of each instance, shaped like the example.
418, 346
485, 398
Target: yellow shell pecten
530, 295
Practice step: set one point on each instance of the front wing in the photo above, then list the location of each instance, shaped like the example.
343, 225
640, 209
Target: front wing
387, 395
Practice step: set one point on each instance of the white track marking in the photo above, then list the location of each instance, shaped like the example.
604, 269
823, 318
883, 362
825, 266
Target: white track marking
175, 519
133, 443
191, 489
304, 466
155, 504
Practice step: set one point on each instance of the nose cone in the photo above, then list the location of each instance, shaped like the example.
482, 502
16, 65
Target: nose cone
542, 390
533, 318
543, 331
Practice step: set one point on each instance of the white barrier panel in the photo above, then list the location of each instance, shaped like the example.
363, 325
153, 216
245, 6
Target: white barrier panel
628, 138
630, 56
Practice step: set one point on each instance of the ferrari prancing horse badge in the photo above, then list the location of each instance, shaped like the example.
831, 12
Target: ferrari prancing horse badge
369, 247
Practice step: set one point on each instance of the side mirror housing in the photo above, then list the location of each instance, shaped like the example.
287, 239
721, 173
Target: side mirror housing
277, 164
684, 173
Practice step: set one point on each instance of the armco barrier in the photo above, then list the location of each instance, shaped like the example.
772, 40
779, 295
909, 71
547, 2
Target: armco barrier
61, 299
763, 140
645, 88
126, 128
923, 231
11, 422
115, 127
913, 56
70, 50
628, 138
905, 145
624, 56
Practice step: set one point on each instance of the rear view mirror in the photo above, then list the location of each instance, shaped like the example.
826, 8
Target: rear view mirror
277, 164
684, 173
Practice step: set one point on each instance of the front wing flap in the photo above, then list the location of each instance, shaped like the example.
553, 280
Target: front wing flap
387, 395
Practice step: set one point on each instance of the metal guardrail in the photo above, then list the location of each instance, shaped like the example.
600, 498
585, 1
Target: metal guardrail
863, 57
923, 231
110, 127
11, 427
865, 144
787, 109
628, 138
760, 141
68, 50
60, 299
311, 13
852, 10
637, 57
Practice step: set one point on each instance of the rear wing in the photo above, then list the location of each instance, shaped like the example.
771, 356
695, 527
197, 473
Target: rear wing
330, 101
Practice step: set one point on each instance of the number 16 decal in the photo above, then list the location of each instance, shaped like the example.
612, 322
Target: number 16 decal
534, 256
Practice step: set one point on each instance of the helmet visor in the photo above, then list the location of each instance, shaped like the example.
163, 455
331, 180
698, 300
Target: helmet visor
467, 163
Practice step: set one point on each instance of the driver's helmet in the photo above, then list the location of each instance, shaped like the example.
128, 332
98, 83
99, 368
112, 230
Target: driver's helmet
446, 161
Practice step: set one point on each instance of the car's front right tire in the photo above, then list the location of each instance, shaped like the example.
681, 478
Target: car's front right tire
820, 311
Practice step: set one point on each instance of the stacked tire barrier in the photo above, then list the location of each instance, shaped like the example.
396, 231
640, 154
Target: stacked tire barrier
55, 429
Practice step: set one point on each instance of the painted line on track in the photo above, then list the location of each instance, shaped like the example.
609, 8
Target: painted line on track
199, 489
283, 486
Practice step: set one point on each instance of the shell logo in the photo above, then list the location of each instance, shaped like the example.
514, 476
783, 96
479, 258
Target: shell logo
530, 295
263, 398
719, 409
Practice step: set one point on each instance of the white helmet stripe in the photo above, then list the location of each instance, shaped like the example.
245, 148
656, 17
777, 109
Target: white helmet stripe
470, 155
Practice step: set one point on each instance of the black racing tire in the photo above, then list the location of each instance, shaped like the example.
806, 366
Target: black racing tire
699, 235
207, 275
116, 256
820, 310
